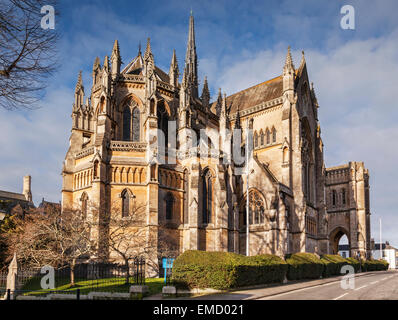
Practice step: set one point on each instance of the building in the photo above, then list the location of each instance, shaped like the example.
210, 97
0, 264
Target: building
123, 152
344, 250
48, 207
389, 253
11, 202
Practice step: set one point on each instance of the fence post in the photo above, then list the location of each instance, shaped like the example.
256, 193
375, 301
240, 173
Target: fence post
78, 294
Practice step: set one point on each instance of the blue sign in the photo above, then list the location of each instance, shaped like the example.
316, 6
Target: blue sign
167, 264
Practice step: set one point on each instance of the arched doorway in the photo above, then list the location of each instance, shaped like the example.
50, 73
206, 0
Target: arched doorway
339, 236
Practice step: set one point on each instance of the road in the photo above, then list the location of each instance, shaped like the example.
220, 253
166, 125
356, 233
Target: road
382, 285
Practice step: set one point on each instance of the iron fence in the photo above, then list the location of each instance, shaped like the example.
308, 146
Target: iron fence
85, 278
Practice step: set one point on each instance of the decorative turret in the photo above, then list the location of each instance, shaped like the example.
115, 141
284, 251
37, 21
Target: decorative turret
173, 72
288, 73
237, 120
302, 62
205, 94
79, 93
191, 60
149, 69
96, 69
115, 59
105, 74
218, 104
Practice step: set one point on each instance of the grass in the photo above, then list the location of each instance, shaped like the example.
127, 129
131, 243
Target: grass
33, 287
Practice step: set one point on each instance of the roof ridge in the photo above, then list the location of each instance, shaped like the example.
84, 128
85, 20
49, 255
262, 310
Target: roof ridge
256, 85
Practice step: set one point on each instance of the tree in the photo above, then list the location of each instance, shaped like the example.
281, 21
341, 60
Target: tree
126, 235
54, 238
27, 53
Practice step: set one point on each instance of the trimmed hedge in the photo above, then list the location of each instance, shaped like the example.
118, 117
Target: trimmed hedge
375, 265
333, 264
354, 263
225, 270
304, 265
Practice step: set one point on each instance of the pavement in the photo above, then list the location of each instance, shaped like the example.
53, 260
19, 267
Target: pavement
380, 285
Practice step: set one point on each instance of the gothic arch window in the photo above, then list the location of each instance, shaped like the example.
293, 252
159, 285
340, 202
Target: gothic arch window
255, 139
268, 137
152, 107
343, 196
96, 166
102, 105
163, 121
169, 206
126, 123
256, 209
273, 135
261, 137
136, 124
125, 203
207, 196
84, 200
334, 197
186, 197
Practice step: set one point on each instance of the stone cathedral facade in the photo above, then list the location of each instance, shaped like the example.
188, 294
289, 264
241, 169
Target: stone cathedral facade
198, 201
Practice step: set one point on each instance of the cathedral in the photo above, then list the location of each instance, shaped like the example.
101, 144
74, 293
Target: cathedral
145, 136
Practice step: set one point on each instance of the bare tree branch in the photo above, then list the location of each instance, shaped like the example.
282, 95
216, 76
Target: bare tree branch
27, 53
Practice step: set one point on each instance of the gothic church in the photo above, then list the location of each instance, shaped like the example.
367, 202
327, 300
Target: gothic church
199, 201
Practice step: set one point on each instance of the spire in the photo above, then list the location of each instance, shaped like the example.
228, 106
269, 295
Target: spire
79, 84
97, 64
289, 61
302, 58
139, 49
115, 59
106, 63
191, 63
173, 71
205, 94
219, 101
115, 50
237, 121
148, 50
224, 105
79, 92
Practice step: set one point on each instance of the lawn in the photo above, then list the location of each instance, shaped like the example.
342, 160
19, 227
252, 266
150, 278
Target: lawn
32, 287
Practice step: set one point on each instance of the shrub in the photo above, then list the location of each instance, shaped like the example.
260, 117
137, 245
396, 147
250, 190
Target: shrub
225, 270
354, 263
376, 265
304, 266
333, 264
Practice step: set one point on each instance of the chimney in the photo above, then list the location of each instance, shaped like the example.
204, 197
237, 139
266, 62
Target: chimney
27, 192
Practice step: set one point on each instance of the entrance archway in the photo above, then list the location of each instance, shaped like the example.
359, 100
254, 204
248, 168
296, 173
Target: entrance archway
334, 239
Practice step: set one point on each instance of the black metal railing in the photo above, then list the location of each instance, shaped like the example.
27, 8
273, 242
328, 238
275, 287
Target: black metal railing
87, 277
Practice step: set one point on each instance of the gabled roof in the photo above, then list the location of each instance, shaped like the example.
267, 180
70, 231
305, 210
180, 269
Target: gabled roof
5, 195
136, 67
253, 96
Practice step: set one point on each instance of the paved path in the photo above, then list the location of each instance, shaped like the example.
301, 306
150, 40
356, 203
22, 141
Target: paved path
372, 285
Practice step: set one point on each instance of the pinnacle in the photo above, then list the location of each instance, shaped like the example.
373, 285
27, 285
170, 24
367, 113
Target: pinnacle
289, 60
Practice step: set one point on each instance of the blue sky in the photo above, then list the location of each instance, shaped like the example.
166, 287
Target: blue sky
239, 44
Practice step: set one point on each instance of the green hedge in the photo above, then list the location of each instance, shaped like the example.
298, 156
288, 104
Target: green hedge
354, 263
225, 270
333, 264
375, 265
304, 266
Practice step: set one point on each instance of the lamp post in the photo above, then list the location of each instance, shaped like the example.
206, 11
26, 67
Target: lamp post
247, 190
